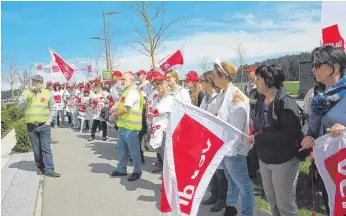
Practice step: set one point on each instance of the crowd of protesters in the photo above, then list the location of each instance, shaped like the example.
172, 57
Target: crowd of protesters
276, 142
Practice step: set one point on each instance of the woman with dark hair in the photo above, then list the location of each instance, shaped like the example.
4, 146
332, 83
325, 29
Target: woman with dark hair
327, 113
218, 183
234, 108
277, 130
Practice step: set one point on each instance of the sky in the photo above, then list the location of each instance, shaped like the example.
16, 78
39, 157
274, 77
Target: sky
208, 29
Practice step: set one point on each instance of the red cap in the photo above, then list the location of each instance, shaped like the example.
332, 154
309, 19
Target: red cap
191, 76
86, 89
141, 72
56, 84
117, 74
159, 77
81, 85
96, 80
152, 74
107, 82
251, 69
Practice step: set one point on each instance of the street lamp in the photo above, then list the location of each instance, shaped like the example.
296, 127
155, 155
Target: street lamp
106, 39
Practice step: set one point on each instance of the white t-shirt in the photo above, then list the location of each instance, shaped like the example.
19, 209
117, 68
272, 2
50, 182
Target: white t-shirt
182, 94
160, 116
132, 99
145, 89
116, 91
209, 103
98, 107
236, 114
58, 97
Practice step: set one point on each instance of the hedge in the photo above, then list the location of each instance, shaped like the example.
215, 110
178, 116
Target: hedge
23, 140
9, 115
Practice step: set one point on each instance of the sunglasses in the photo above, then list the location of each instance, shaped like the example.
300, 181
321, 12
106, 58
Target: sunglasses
317, 65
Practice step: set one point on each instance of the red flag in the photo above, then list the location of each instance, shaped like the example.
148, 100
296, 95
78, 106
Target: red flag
175, 59
331, 36
330, 158
55, 68
89, 68
66, 69
188, 167
39, 67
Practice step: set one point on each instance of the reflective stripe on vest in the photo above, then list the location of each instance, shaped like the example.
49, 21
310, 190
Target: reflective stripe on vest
37, 108
132, 119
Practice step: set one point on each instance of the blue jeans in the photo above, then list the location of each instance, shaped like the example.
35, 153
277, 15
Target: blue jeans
236, 172
128, 143
40, 142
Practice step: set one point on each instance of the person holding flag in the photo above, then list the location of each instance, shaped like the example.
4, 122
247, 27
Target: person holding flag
218, 183
328, 104
235, 109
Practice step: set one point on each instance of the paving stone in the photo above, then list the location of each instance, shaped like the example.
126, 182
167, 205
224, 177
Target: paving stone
23, 210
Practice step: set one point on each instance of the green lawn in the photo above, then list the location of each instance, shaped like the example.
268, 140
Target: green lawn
292, 87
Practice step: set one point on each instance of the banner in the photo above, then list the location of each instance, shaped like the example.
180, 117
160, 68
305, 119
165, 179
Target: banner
333, 23
175, 59
107, 75
66, 69
196, 143
330, 158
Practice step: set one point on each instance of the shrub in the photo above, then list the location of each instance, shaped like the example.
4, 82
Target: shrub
5, 121
15, 113
23, 141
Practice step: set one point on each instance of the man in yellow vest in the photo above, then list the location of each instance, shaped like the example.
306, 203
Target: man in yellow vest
39, 110
129, 114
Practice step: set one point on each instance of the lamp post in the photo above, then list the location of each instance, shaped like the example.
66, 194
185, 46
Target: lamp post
106, 39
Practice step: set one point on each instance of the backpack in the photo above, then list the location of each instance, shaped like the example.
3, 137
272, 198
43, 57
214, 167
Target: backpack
278, 109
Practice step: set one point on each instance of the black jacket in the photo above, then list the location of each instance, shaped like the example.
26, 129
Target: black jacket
278, 143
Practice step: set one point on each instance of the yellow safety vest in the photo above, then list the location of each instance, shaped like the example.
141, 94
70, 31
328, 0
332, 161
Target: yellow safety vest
37, 108
132, 119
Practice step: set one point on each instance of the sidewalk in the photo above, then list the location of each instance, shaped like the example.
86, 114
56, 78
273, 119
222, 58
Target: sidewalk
85, 187
7, 143
19, 185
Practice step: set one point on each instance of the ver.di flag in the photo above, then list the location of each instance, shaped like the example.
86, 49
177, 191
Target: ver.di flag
330, 158
196, 143
175, 59
66, 69
333, 25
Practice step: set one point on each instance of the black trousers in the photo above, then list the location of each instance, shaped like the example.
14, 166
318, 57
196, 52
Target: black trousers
69, 117
219, 185
96, 124
143, 131
252, 161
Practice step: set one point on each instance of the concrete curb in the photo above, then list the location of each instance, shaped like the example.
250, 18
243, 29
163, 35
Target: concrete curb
39, 199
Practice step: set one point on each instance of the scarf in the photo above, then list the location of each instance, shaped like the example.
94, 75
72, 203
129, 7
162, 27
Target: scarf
322, 101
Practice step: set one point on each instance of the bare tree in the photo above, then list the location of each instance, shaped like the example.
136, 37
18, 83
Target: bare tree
24, 77
204, 63
240, 56
156, 31
12, 76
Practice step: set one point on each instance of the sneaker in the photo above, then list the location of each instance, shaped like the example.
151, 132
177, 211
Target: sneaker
230, 211
218, 206
53, 174
116, 173
91, 138
134, 176
104, 138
